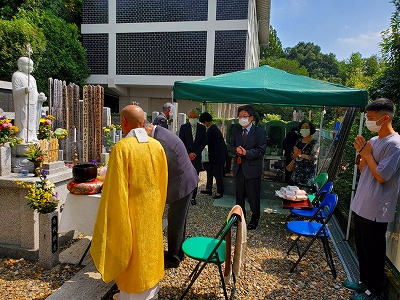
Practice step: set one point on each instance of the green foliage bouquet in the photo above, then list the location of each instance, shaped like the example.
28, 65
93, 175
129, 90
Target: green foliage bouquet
8, 132
41, 194
35, 154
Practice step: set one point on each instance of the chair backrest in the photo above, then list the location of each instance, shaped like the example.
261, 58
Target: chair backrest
327, 206
225, 228
324, 191
320, 180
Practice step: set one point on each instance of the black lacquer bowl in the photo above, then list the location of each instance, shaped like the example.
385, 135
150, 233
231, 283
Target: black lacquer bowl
84, 172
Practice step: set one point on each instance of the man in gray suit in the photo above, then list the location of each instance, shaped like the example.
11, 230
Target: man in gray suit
182, 180
166, 114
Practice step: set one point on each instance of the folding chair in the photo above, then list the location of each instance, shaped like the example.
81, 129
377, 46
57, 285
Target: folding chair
324, 191
211, 250
315, 228
318, 182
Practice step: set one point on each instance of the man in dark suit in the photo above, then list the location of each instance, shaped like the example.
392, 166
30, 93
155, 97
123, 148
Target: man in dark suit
248, 145
182, 180
217, 153
166, 114
194, 137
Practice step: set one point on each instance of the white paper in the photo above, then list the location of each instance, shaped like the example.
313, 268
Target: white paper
141, 135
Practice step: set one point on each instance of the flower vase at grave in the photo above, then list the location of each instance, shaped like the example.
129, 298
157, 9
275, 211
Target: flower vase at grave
48, 240
37, 168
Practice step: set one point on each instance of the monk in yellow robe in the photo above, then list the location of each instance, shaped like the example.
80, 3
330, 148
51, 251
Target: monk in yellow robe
127, 244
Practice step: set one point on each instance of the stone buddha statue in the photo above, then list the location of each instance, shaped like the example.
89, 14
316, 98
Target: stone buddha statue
27, 101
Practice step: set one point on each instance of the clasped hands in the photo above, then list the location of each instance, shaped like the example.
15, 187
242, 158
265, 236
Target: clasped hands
363, 147
240, 151
192, 156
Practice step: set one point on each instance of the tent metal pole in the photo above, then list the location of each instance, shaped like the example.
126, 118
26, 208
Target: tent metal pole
223, 120
323, 112
353, 186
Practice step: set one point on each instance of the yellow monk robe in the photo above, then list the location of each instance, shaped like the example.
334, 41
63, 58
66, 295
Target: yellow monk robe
127, 244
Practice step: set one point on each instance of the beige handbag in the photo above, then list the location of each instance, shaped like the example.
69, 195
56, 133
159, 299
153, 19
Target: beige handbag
290, 166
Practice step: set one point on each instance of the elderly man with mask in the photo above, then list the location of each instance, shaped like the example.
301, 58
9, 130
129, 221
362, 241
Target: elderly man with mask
127, 244
194, 137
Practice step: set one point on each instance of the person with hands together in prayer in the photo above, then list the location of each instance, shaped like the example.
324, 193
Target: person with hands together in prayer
375, 201
248, 143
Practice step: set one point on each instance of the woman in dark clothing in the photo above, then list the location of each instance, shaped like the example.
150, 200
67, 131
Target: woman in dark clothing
288, 143
306, 152
217, 153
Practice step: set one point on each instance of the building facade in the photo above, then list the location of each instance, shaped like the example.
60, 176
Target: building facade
137, 49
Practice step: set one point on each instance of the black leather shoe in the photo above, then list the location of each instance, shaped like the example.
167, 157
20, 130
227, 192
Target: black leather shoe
217, 196
251, 226
193, 202
171, 262
208, 192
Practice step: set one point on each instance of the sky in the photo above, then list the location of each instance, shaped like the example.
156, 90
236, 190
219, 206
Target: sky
341, 27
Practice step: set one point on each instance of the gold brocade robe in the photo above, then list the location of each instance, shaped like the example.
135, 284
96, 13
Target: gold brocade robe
127, 244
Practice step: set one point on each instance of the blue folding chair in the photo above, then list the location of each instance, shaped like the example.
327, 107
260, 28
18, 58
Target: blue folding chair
315, 228
308, 213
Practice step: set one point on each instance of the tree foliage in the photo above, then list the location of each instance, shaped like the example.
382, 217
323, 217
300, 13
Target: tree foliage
69, 10
274, 50
319, 65
57, 51
14, 36
387, 83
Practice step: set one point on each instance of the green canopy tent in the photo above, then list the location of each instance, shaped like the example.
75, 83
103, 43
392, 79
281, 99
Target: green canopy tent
271, 86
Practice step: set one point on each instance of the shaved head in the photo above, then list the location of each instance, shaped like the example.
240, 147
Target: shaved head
132, 116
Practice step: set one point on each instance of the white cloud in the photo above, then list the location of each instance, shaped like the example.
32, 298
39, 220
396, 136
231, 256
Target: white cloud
371, 39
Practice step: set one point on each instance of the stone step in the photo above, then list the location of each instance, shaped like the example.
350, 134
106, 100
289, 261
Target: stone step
87, 283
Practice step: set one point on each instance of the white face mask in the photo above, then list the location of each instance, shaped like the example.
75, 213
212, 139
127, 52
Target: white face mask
193, 121
371, 125
244, 121
305, 132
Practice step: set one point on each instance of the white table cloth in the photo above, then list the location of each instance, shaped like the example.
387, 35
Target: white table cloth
80, 213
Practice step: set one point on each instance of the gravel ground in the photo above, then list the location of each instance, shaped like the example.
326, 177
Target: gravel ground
265, 274
21, 279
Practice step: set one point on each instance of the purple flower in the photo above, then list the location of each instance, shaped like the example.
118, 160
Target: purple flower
94, 162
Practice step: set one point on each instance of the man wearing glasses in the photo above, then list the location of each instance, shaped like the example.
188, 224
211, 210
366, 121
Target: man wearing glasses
248, 145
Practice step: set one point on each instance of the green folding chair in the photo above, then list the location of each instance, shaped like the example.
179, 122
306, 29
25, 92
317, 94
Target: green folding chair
318, 182
208, 250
